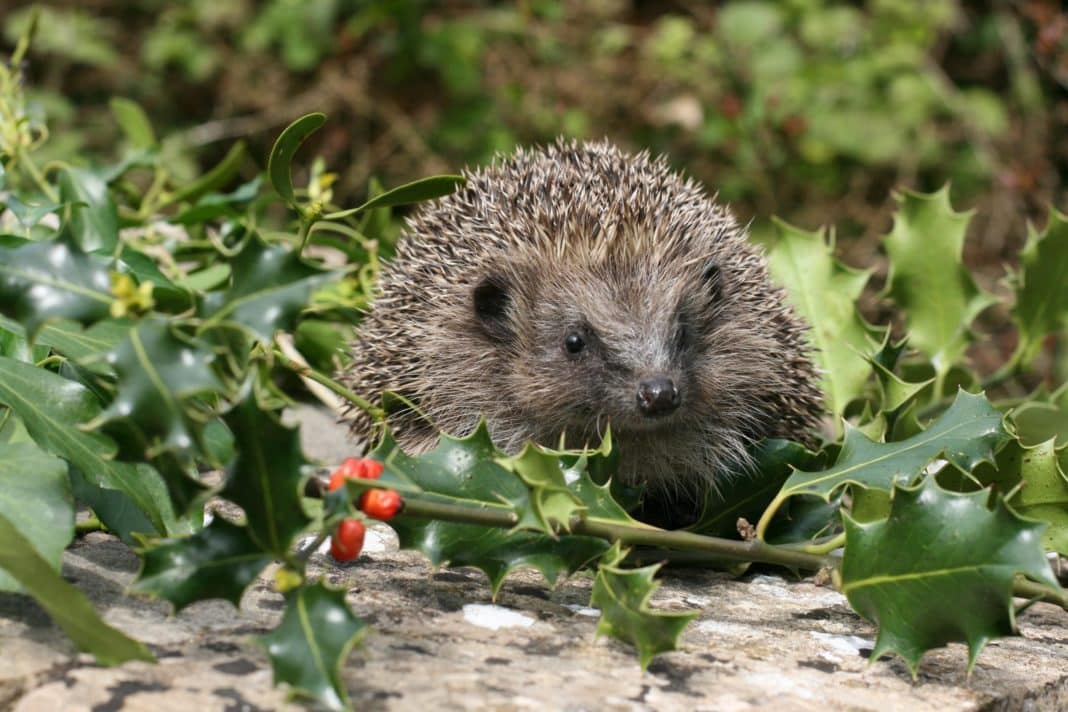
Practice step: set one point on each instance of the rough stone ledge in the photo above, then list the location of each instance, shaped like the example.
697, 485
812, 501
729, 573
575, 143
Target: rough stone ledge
759, 643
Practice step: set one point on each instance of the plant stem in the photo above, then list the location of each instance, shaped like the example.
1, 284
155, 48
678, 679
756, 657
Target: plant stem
92, 524
639, 534
362, 403
23, 159
1024, 588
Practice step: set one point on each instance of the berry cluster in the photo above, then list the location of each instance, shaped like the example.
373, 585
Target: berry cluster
347, 540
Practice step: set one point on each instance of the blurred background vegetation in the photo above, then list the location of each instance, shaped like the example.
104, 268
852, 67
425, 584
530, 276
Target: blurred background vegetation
811, 110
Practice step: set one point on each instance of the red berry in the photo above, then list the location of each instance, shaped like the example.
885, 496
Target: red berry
347, 540
381, 503
353, 469
372, 469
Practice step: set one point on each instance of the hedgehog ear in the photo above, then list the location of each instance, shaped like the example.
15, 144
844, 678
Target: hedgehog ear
491, 300
713, 280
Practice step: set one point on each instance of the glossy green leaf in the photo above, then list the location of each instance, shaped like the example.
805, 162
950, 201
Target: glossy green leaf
549, 503
53, 410
35, 497
965, 435
311, 643
940, 569
1042, 285
1034, 479
65, 604
1042, 418
266, 477
94, 221
279, 165
824, 291
748, 495
219, 561
158, 372
269, 287
133, 121
215, 205
927, 279
414, 192
40, 281
89, 345
466, 471
622, 596
221, 174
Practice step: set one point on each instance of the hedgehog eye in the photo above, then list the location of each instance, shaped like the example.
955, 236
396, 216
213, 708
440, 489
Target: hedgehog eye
491, 300
574, 343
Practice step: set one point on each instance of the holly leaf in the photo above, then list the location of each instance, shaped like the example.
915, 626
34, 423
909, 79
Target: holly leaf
94, 221
824, 291
65, 604
895, 393
927, 279
40, 281
468, 471
1040, 419
940, 569
53, 409
965, 435
748, 495
549, 502
35, 498
267, 475
308, 647
219, 561
269, 287
87, 346
1042, 285
622, 596
1033, 479
159, 371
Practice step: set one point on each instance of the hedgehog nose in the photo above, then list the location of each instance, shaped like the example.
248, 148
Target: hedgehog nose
658, 396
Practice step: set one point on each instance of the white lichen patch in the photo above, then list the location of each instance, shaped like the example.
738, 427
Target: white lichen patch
495, 617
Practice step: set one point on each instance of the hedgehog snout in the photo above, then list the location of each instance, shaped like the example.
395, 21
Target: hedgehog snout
658, 396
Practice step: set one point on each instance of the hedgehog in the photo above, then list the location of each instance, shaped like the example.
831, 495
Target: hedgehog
568, 290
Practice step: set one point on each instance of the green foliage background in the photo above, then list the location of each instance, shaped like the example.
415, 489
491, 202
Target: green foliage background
811, 110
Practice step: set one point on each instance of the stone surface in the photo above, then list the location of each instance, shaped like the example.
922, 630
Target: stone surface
438, 642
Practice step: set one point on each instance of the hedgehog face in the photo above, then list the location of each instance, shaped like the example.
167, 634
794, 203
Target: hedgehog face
603, 346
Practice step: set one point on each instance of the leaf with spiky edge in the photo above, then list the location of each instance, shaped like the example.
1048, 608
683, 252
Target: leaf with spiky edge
549, 503
940, 569
65, 604
622, 596
965, 435
308, 647
1042, 285
269, 287
927, 279
35, 497
1033, 479
40, 281
824, 291
53, 409
467, 471
159, 370
895, 393
219, 561
266, 477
